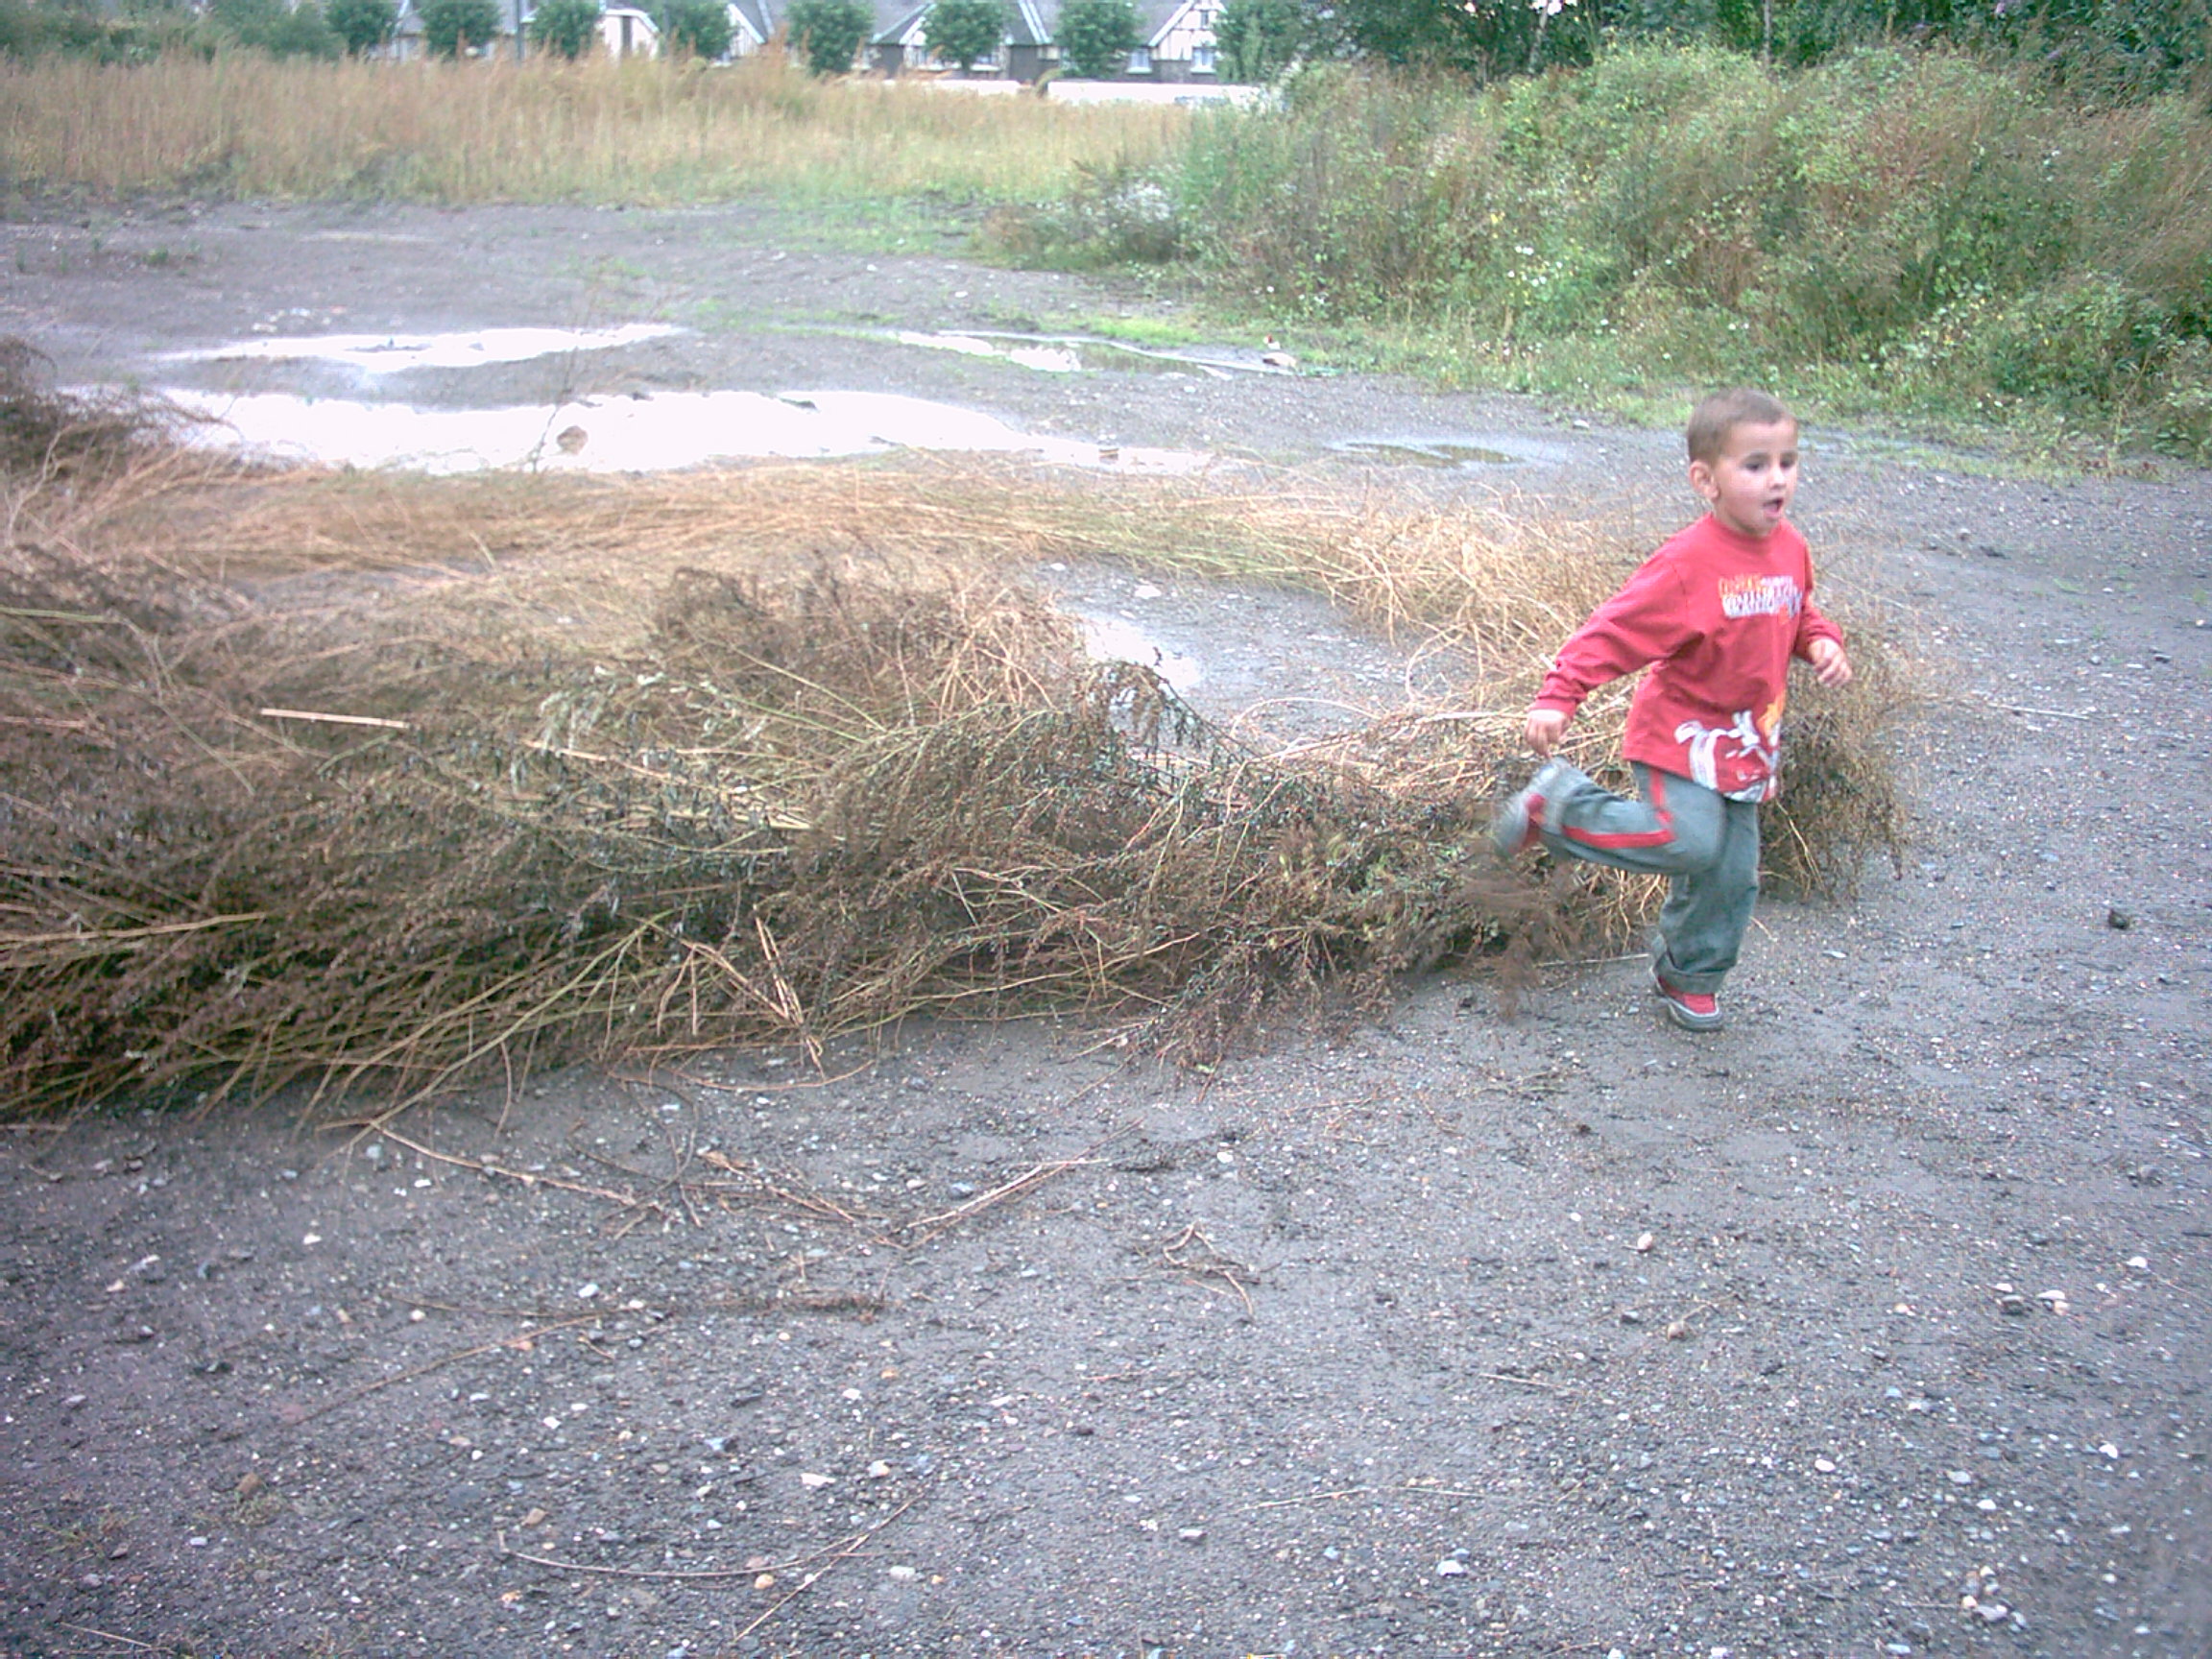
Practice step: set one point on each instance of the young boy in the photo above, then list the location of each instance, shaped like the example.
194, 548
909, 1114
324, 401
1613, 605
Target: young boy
1716, 614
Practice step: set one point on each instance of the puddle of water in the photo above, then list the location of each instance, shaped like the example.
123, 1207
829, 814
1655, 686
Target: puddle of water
1110, 640
640, 435
1425, 452
396, 353
1069, 354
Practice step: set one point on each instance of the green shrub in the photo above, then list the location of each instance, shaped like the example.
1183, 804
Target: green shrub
362, 25
829, 33
697, 28
964, 32
1900, 226
564, 28
270, 26
453, 27
1115, 215
1258, 39
1096, 37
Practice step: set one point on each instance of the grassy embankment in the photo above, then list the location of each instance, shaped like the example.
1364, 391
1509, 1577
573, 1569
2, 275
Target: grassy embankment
1905, 234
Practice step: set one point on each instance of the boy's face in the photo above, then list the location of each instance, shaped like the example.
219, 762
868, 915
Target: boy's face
1749, 484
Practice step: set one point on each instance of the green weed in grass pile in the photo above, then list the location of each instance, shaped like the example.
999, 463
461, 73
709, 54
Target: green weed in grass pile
389, 783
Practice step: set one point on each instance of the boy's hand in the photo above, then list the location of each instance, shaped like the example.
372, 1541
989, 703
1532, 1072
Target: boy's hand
1830, 665
1545, 728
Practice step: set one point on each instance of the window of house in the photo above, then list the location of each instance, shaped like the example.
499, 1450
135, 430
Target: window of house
1202, 59
1140, 61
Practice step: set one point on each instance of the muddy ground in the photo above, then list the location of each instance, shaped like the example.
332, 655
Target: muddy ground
1875, 1324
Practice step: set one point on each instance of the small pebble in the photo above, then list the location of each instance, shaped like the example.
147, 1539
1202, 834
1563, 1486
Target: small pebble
1448, 1568
1192, 1534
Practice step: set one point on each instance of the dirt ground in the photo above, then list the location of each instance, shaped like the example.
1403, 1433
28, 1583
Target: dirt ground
1876, 1324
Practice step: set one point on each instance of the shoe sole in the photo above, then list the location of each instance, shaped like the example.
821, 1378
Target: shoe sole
1681, 1015
1687, 1021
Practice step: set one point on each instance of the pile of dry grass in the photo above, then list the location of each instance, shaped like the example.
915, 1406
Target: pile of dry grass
391, 783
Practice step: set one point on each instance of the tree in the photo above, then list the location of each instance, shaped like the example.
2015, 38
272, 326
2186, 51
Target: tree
1096, 37
1260, 39
1484, 38
567, 26
363, 25
700, 28
827, 33
964, 32
270, 26
452, 27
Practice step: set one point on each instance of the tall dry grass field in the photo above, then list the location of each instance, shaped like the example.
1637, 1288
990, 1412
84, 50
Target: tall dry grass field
604, 131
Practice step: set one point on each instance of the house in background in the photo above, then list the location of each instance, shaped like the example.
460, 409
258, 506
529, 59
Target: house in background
1176, 41
624, 30
1176, 38
1179, 42
628, 31
753, 24
896, 43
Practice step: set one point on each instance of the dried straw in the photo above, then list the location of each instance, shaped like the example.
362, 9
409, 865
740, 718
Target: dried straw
388, 783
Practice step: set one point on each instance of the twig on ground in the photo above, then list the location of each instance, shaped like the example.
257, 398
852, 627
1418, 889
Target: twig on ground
499, 1540
1529, 1382
528, 1178
2040, 713
1216, 1267
845, 1552
1310, 1498
521, 1337
335, 719
813, 1204
931, 1227
105, 1635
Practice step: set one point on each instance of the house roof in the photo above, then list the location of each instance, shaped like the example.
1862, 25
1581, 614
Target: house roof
898, 22
755, 18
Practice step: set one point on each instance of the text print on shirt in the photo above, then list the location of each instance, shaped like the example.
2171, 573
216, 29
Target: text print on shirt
1759, 597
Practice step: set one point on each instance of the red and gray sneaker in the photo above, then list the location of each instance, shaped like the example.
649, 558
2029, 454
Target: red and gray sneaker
1692, 1010
1516, 828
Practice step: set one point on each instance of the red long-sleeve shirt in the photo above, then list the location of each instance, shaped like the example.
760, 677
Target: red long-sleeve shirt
1715, 616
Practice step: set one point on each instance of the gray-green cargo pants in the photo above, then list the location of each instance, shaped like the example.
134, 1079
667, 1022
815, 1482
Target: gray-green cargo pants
1706, 843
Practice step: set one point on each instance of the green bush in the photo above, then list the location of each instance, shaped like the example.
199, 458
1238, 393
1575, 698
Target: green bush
829, 33
697, 28
964, 32
453, 27
1096, 37
362, 25
564, 28
1896, 228
270, 26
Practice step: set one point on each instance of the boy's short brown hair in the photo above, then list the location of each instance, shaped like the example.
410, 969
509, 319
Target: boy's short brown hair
1721, 414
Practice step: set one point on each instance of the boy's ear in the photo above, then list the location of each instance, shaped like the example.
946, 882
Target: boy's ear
1701, 480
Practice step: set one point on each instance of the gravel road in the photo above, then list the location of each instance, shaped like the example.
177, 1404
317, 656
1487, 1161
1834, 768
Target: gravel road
1876, 1324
